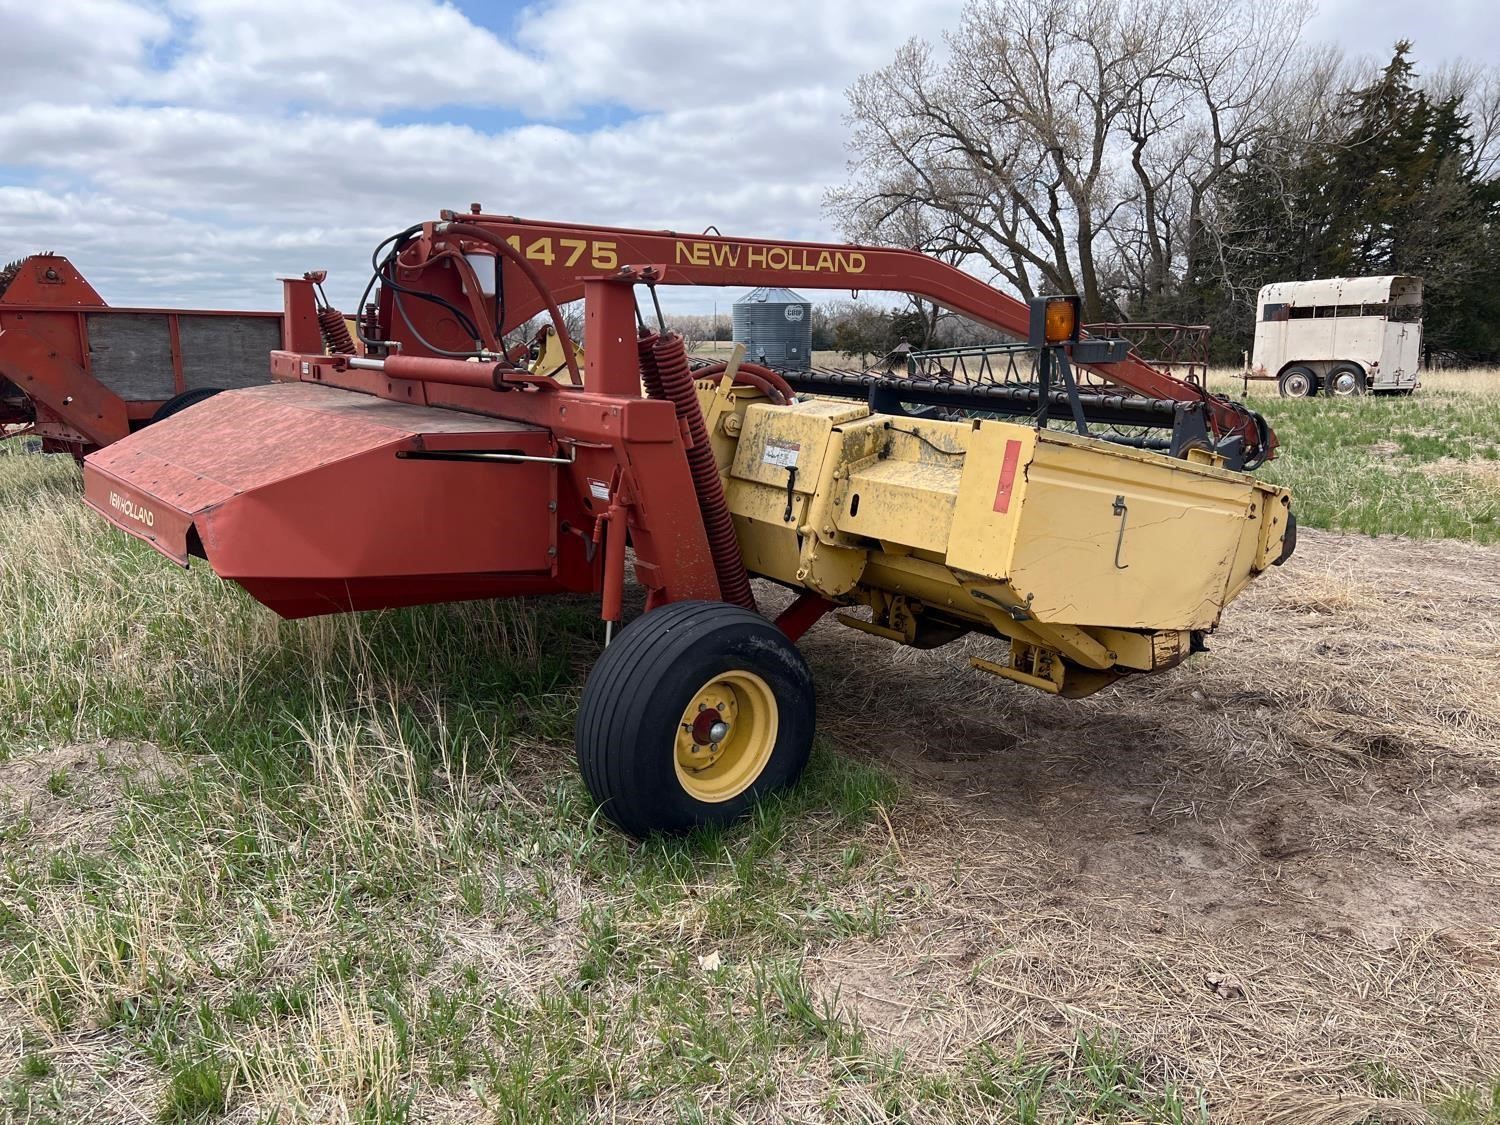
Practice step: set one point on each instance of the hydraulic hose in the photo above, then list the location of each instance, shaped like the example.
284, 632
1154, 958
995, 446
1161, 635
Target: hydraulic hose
479, 234
667, 374
763, 379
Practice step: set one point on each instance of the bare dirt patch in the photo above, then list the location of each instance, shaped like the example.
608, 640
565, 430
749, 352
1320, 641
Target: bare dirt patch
70, 794
1310, 813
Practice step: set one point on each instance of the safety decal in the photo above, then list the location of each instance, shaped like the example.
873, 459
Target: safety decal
783, 454
1007, 476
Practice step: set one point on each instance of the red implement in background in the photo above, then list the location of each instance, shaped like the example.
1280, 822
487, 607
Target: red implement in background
80, 374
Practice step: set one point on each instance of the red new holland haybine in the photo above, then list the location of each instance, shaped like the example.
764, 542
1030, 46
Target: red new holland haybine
443, 465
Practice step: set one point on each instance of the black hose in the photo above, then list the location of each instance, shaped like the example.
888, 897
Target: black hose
383, 273
1262, 442
421, 339
375, 268
463, 319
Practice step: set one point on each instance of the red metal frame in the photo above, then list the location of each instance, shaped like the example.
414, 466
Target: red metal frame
566, 255
1181, 349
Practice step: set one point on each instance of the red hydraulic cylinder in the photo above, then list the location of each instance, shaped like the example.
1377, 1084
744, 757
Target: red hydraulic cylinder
613, 598
432, 369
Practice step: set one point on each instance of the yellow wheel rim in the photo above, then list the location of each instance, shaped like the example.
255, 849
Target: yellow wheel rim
726, 736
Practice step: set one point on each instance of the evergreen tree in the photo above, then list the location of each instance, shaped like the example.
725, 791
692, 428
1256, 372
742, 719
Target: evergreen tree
1393, 189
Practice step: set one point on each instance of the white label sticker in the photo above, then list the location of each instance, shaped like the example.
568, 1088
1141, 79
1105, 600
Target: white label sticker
782, 453
598, 489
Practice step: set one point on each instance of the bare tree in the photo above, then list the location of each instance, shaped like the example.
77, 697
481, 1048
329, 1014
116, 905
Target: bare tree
1477, 88
1304, 116
1067, 145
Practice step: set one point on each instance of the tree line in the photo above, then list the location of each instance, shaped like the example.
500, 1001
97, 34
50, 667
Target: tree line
1164, 159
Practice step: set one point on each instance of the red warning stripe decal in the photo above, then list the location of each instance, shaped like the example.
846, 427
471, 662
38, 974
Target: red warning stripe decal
1007, 476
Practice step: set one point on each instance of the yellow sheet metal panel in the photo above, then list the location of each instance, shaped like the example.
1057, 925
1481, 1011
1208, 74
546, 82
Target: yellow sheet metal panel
830, 570
777, 439
905, 502
1058, 541
1129, 542
991, 495
768, 540
1277, 504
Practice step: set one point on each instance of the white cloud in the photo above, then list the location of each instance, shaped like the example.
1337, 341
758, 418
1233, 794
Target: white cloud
200, 149
361, 55
675, 53
188, 151
80, 48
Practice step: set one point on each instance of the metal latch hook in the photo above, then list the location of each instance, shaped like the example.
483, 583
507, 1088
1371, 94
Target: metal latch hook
1122, 511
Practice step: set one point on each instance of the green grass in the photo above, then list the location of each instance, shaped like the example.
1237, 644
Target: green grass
372, 881
1424, 466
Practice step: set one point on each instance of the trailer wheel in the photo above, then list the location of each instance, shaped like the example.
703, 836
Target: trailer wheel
180, 402
1346, 381
1298, 382
695, 712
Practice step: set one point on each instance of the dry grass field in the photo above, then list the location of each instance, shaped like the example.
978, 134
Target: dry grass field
343, 869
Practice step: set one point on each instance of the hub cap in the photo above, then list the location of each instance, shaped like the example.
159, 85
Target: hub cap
1297, 385
1344, 383
725, 736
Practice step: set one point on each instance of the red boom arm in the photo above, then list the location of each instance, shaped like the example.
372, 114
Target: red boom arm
563, 255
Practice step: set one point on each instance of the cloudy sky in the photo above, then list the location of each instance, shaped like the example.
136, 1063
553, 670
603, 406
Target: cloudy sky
189, 151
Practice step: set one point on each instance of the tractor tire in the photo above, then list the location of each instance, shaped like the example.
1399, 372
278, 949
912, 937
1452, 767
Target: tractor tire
1347, 380
180, 402
1298, 382
694, 713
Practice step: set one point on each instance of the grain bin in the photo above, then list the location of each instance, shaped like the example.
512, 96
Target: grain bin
775, 325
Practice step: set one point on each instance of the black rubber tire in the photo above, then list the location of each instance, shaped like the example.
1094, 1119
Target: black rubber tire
1357, 383
637, 692
178, 403
1296, 377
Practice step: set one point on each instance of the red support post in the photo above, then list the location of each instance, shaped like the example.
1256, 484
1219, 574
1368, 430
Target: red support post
299, 324
610, 363
797, 618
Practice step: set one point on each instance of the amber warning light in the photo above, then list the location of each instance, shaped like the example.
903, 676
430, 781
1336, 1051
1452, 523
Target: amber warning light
1054, 320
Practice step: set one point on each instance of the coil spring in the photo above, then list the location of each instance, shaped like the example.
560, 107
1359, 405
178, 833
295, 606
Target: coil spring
335, 331
666, 373
650, 376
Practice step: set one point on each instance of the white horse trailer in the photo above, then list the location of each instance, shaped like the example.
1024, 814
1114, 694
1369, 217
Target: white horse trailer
1340, 335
